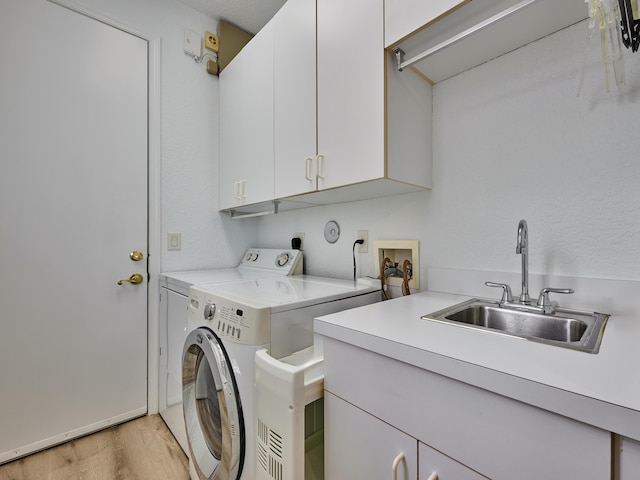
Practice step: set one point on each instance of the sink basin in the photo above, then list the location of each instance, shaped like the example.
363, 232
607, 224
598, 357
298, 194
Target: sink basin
566, 328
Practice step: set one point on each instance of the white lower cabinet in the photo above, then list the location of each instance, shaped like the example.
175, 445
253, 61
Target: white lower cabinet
359, 445
433, 465
464, 428
628, 461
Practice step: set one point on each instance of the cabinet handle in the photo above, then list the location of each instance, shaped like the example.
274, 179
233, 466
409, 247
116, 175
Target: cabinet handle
243, 186
307, 168
236, 190
320, 166
394, 467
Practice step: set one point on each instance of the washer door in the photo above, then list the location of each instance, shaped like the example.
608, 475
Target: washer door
212, 408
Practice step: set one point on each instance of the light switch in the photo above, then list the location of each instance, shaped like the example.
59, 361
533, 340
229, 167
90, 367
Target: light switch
173, 241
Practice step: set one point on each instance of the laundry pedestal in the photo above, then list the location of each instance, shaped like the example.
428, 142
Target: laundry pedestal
289, 412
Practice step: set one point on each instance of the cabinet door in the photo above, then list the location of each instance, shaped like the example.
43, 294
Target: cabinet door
295, 98
629, 461
351, 131
445, 468
495, 435
231, 134
246, 124
358, 445
258, 119
403, 17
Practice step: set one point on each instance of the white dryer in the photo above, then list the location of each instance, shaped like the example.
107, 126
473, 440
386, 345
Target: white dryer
174, 295
230, 322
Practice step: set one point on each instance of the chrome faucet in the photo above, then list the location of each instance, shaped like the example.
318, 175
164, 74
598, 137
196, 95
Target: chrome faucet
543, 305
522, 248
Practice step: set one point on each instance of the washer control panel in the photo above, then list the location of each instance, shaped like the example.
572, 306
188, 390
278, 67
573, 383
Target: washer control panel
230, 320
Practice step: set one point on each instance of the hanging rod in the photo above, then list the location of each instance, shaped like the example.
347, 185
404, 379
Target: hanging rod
402, 63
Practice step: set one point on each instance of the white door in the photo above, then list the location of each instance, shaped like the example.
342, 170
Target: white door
73, 205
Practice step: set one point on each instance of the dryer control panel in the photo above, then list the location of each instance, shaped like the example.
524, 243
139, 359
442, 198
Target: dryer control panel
287, 262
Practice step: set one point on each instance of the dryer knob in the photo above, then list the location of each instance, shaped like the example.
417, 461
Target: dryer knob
209, 311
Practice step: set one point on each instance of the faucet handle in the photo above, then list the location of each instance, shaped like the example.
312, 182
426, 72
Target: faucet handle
543, 299
507, 297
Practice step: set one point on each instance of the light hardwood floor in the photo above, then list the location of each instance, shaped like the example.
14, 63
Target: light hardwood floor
142, 449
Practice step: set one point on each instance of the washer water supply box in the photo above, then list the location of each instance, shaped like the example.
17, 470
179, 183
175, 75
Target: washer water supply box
289, 396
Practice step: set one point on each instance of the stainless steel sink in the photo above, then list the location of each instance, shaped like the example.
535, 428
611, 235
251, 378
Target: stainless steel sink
566, 328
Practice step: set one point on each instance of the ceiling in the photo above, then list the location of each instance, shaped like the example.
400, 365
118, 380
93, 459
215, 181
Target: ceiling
249, 15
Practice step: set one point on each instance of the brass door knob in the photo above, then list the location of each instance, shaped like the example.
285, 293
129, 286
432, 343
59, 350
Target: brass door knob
136, 278
136, 255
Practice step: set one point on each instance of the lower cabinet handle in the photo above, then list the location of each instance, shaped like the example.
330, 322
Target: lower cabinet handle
394, 467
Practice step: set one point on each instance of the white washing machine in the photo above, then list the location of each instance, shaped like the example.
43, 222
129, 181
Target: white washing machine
230, 322
174, 298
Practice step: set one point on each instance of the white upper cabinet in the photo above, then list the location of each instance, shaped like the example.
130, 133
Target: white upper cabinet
231, 134
331, 121
246, 125
295, 98
335, 120
403, 17
373, 124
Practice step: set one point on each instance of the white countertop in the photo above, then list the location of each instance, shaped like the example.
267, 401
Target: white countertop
600, 389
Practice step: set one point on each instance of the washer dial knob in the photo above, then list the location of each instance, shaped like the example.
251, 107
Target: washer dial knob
209, 311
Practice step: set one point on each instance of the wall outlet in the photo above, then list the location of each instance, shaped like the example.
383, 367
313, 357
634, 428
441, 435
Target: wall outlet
364, 235
211, 41
300, 235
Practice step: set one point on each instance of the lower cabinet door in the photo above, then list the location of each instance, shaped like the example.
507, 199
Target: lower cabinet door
629, 461
360, 446
433, 465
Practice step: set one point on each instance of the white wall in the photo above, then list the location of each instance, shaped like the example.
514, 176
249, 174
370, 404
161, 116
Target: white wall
189, 138
512, 140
